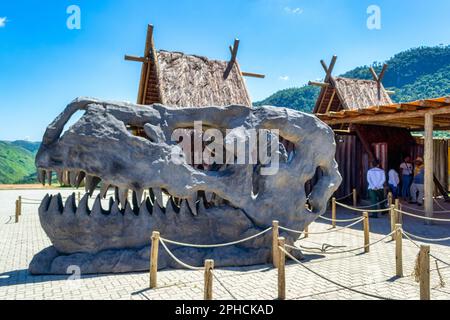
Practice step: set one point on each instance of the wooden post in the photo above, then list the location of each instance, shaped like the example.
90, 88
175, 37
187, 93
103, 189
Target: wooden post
398, 215
20, 205
154, 260
393, 220
429, 166
281, 270
17, 211
306, 233
333, 212
424, 266
366, 232
355, 198
390, 197
275, 235
398, 250
208, 290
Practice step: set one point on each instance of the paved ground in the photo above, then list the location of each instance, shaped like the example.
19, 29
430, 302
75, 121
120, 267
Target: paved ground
371, 273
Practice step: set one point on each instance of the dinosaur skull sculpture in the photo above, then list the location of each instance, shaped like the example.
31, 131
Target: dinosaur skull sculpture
126, 147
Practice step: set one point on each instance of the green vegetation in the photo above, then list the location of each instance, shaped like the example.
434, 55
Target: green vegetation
17, 162
413, 74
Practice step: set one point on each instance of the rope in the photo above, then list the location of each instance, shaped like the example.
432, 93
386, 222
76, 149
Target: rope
441, 278
339, 220
421, 217
426, 239
439, 205
187, 266
331, 281
345, 197
372, 205
216, 245
418, 246
223, 286
342, 251
361, 210
322, 232
416, 209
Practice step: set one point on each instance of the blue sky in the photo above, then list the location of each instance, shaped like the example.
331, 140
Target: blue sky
44, 65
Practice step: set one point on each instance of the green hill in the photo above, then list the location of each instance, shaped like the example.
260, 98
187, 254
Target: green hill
414, 74
17, 162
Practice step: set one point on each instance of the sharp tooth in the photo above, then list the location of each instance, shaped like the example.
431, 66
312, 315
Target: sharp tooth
91, 183
73, 178
59, 174
192, 205
208, 196
44, 203
80, 178
41, 176
123, 197
49, 177
83, 208
116, 193
70, 206
97, 208
56, 204
104, 189
158, 196
137, 197
151, 195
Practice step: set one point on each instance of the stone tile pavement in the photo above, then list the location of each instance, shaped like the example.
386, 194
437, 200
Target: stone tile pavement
371, 273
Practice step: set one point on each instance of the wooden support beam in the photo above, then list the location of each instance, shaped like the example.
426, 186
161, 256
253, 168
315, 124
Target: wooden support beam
234, 51
429, 165
137, 59
331, 101
318, 84
253, 75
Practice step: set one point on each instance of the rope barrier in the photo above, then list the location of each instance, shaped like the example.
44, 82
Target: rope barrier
345, 197
339, 220
418, 246
421, 217
426, 239
322, 232
216, 245
187, 266
332, 281
223, 286
372, 205
416, 209
361, 210
300, 248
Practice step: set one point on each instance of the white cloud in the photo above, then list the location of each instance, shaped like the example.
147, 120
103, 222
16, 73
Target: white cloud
2, 22
293, 10
284, 78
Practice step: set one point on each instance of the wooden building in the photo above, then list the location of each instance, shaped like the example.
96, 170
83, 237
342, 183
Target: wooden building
181, 80
368, 125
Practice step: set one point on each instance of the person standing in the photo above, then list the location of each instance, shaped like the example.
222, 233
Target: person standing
417, 188
406, 171
393, 182
376, 178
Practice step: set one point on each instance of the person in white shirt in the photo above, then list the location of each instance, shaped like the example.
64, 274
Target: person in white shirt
393, 182
376, 178
406, 172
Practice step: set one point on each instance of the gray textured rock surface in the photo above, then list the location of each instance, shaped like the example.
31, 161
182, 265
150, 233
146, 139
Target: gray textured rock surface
204, 207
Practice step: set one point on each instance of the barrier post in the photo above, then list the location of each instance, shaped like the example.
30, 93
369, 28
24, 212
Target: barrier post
154, 260
393, 220
390, 197
355, 198
306, 233
398, 250
398, 216
424, 267
20, 205
17, 211
281, 270
333, 212
208, 290
366, 232
275, 235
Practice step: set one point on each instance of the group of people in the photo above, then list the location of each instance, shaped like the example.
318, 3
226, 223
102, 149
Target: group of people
407, 185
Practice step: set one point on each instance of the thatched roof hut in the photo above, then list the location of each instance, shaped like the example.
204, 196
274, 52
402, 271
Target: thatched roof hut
181, 80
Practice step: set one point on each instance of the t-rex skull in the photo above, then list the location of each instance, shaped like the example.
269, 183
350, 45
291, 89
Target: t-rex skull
129, 147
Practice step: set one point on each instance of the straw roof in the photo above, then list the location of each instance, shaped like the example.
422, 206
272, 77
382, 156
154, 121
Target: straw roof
350, 94
194, 81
